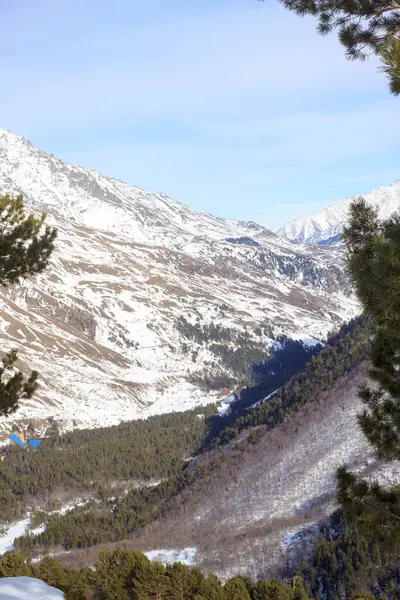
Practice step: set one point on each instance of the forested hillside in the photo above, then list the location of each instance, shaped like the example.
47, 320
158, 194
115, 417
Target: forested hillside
342, 353
129, 575
342, 563
137, 476
156, 449
344, 560
99, 462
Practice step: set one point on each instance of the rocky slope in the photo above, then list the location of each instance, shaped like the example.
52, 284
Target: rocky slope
146, 298
261, 505
326, 226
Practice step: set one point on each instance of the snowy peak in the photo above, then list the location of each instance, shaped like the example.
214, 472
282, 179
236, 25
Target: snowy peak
326, 226
147, 305
88, 198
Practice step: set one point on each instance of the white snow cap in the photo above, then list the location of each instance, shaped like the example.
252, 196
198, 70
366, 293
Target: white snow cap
330, 222
27, 588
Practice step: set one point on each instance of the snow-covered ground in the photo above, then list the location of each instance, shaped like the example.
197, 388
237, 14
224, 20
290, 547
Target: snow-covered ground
263, 399
100, 325
15, 531
19, 528
307, 340
294, 535
27, 588
224, 407
185, 556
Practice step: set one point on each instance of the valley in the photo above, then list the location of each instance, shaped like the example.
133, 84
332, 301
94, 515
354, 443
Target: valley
119, 324
266, 477
198, 380
200, 300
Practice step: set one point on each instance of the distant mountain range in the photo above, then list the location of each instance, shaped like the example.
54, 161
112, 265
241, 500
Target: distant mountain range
149, 306
326, 226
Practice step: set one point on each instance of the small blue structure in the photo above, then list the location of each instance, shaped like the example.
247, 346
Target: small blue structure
14, 438
34, 443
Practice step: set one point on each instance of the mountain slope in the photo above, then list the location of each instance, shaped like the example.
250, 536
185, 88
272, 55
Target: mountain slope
326, 226
251, 498
237, 508
288, 448
149, 306
86, 197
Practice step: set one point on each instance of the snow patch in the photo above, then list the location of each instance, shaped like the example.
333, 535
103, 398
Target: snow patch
15, 531
264, 399
307, 340
224, 407
27, 588
169, 556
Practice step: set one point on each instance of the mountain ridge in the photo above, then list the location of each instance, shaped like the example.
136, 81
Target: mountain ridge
326, 226
147, 305
123, 195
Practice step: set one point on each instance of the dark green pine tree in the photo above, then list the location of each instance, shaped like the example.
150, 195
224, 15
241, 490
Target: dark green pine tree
271, 590
51, 572
181, 582
374, 262
211, 589
115, 574
299, 592
26, 244
236, 589
364, 27
12, 564
14, 385
151, 582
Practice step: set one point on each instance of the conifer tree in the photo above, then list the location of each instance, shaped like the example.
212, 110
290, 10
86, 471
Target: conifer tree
299, 589
26, 244
151, 582
374, 261
236, 589
364, 27
14, 385
211, 589
181, 581
51, 572
115, 574
12, 564
271, 590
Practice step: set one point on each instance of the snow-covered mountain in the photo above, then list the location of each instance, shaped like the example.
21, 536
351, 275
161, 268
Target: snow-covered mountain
326, 226
85, 197
147, 304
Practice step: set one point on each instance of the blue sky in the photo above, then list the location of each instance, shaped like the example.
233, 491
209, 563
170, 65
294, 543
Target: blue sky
235, 107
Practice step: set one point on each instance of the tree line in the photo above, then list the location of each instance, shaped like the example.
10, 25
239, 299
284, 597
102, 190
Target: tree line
157, 447
342, 563
315, 371
130, 575
100, 462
